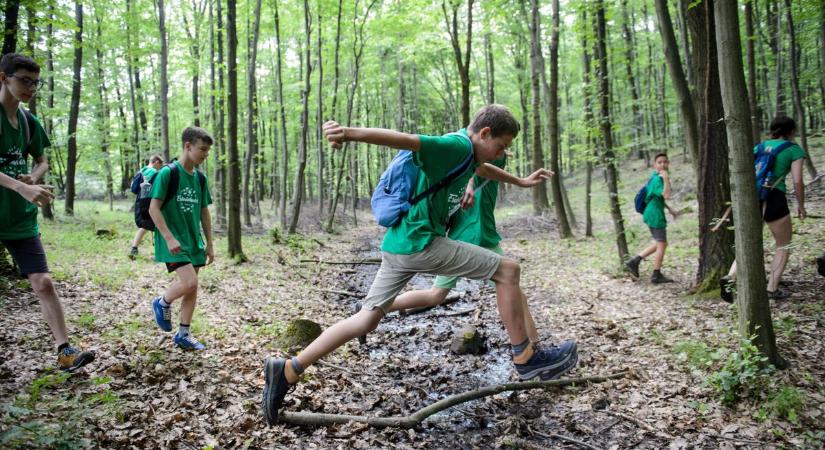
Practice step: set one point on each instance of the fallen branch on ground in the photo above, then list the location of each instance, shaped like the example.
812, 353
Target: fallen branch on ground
568, 439
335, 291
416, 418
361, 261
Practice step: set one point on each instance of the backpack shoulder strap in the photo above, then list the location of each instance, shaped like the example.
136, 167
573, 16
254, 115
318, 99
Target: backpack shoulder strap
451, 175
174, 180
782, 147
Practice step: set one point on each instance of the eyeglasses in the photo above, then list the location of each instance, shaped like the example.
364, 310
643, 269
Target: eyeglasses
29, 83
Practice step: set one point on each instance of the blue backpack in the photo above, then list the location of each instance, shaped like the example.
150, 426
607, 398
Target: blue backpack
764, 160
393, 196
136, 180
641, 200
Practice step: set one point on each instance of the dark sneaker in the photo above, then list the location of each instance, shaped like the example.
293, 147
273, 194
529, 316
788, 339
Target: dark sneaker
778, 294
275, 388
71, 359
133, 253
727, 288
632, 266
658, 278
356, 308
549, 362
188, 342
820, 265
163, 315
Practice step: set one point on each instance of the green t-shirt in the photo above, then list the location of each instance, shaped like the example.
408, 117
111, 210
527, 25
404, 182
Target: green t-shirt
654, 215
477, 225
183, 216
427, 219
18, 217
147, 172
782, 164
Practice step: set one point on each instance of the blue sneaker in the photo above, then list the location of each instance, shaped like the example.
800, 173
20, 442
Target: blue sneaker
275, 389
550, 362
188, 342
163, 316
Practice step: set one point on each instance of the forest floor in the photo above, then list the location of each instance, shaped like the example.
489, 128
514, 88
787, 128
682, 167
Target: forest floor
682, 350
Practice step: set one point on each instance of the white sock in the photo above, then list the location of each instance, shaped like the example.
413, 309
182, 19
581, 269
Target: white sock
164, 303
183, 330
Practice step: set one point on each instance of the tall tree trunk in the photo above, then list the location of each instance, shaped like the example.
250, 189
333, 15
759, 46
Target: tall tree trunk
798, 108
195, 52
282, 116
753, 96
553, 124
540, 201
31, 15
164, 82
74, 109
252, 112
234, 212
588, 123
629, 58
319, 121
490, 72
751, 298
608, 157
774, 18
103, 115
822, 53
298, 191
679, 82
216, 102
462, 61
11, 14
713, 181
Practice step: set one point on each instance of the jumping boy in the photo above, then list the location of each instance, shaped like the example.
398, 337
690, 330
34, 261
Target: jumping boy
178, 240
658, 192
154, 164
476, 224
21, 193
417, 244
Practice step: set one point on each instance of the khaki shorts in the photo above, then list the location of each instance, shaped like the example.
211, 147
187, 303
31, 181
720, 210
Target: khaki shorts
442, 257
443, 282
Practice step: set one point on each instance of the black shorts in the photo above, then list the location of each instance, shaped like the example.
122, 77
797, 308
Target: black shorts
28, 254
775, 206
171, 267
658, 234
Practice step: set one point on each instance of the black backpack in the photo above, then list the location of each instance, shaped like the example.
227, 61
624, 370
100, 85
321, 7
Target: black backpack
142, 202
28, 130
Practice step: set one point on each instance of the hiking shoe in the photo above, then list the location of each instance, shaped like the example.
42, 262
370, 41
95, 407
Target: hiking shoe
275, 388
356, 308
727, 288
778, 294
71, 359
163, 315
820, 265
188, 342
632, 266
133, 253
549, 362
658, 278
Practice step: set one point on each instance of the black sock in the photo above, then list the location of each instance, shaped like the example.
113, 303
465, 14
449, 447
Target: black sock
62, 346
520, 348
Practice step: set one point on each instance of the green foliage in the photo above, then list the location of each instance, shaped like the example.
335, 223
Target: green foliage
786, 403
46, 381
40, 434
697, 354
786, 325
85, 320
744, 371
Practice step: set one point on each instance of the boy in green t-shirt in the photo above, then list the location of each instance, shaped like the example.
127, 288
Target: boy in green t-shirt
178, 240
475, 224
658, 191
154, 164
21, 193
417, 244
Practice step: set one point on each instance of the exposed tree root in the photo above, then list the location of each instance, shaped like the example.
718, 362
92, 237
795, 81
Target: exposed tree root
416, 418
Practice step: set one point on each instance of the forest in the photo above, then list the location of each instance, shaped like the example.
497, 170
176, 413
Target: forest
600, 90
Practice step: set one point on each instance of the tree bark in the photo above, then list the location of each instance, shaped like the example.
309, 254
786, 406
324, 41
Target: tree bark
103, 115
216, 101
489, 71
298, 190
632, 84
164, 82
319, 121
234, 212
753, 96
540, 201
252, 113
553, 123
588, 123
774, 18
799, 109
608, 157
462, 61
11, 14
751, 298
195, 52
282, 116
74, 110
677, 78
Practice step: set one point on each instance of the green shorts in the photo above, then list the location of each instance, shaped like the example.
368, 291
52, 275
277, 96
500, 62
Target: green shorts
445, 282
443, 256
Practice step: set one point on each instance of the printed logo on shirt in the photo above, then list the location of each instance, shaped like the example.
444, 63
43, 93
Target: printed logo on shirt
187, 199
18, 165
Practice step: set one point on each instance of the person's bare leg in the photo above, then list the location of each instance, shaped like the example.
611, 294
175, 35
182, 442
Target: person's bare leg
509, 300
782, 232
189, 277
138, 237
529, 323
660, 255
420, 298
186, 282
649, 250
732, 271
50, 306
335, 336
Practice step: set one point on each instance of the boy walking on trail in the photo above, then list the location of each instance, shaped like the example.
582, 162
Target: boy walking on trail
155, 164
178, 240
658, 191
476, 224
417, 244
21, 135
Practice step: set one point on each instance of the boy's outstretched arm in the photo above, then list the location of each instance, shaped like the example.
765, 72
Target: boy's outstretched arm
337, 135
494, 173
